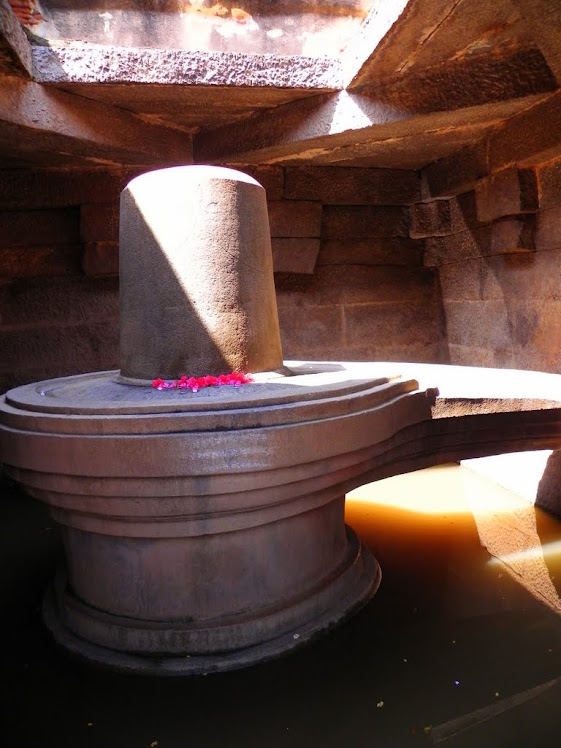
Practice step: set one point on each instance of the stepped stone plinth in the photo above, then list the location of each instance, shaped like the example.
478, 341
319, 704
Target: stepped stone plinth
204, 531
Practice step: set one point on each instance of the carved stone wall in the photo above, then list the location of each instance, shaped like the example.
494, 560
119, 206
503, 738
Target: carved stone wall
350, 281
494, 234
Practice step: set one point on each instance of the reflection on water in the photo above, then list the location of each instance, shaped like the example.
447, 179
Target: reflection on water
463, 504
463, 554
461, 646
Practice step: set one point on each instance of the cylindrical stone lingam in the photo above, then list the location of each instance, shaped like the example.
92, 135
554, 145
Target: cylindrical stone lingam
196, 275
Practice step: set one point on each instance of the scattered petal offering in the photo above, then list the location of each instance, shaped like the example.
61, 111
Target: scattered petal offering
196, 383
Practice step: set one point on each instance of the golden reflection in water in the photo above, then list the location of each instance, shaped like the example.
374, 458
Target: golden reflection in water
451, 508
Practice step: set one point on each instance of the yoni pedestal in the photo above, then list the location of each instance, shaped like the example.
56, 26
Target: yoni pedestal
204, 531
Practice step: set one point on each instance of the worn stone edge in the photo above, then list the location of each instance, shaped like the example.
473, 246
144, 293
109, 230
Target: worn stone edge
82, 62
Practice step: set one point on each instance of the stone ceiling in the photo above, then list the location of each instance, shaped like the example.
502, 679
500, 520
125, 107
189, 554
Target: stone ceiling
417, 81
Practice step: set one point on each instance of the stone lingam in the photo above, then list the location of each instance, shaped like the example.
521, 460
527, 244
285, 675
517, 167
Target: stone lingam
203, 531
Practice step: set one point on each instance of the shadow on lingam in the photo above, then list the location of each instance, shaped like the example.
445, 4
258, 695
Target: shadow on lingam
203, 531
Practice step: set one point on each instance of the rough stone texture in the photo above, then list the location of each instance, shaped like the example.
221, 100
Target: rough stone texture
347, 127
507, 235
418, 82
498, 275
421, 34
197, 292
100, 258
508, 192
319, 328
28, 227
372, 251
548, 228
27, 262
294, 218
526, 275
468, 323
55, 188
461, 281
79, 63
361, 222
296, 255
344, 186
44, 296
528, 137
72, 348
408, 323
549, 177
60, 323
546, 19
364, 304
353, 284
48, 120
443, 217
468, 81
99, 222
457, 173
271, 178
58, 301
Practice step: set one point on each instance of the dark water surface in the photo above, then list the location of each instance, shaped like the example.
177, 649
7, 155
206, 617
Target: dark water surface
458, 648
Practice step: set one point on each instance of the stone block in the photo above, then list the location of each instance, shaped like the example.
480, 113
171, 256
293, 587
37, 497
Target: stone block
549, 178
363, 222
388, 350
548, 228
506, 193
20, 228
526, 275
297, 218
290, 286
430, 219
443, 217
336, 185
482, 324
512, 235
47, 188
402, 323
385, 250
271, 178
100, 222
295, 255
308, 330
461, 281
457, 173
68, 349
59, 301
27, 262
472, 355
100, 258
506, 235
527, 137
353, 284
10, 379
536, 333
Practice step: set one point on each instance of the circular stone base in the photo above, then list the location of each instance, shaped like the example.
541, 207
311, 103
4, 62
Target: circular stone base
361, 583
